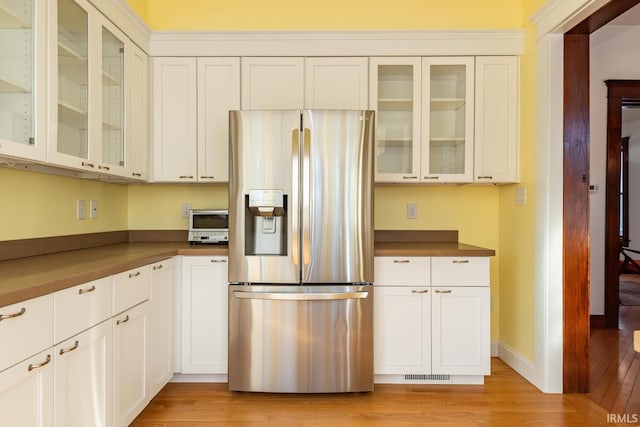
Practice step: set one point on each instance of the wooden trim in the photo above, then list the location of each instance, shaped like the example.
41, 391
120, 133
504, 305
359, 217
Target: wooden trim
576, 214
337, 43
597, 321
12, 249
603, 16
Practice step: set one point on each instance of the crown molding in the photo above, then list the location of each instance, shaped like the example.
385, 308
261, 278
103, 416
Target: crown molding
336, 43
127, 20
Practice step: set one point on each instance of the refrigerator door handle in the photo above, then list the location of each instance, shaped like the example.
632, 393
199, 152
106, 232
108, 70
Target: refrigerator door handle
306, 196
301, 296
295, 197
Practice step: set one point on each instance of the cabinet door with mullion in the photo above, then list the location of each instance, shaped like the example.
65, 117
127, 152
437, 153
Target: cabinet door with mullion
395, 90
447, 119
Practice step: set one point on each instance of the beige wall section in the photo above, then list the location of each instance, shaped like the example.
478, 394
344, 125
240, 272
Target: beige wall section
159, 207
40, 205
332, 14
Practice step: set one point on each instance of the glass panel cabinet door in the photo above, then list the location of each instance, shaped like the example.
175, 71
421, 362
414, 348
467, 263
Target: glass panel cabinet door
19, 44
113, 148
73, 80
395, 96
447, 150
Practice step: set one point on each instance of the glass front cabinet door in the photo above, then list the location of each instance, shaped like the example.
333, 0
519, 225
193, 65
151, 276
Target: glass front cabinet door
447, 119
22, 79
87, 69
395, 96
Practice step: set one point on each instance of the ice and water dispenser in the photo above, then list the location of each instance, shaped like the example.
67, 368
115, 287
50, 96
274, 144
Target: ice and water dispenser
265, 222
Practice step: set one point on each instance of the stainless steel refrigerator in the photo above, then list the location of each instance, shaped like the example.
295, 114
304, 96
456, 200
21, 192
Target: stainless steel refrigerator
301, 251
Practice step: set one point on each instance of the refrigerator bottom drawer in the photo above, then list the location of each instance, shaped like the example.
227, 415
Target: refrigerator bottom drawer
301, 339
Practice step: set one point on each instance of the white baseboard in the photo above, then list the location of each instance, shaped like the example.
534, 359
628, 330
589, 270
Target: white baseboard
516, 361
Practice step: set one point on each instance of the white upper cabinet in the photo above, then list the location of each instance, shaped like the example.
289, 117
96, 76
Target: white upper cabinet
22, 79
447, 119
497, 120
272, 83
191, 102
218, 93
336, 83
174, 119
395, 86
138, 114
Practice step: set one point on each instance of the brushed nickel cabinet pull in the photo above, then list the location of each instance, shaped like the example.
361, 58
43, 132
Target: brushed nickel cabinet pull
401, 261
218, 260
86, 291
67, 350
33, 366
136, 174
157, 267
12, 315
460, 261
103, 167
126, 319
207, 177
440, 291
87, 164
431, 177
186, 177
409, 177
485, 177
132, 275
422, 291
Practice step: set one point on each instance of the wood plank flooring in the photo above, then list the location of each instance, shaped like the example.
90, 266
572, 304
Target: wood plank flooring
615, 366
506, 399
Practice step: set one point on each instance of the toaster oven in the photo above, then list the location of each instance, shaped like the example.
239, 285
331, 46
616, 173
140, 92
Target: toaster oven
209, 226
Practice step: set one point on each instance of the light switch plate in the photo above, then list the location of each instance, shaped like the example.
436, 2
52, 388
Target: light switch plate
521, 196
412, 211
81, 209
93, 209
186, 207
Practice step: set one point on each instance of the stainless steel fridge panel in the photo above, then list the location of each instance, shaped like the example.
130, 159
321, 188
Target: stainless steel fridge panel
262, 149
302, 339
337, 183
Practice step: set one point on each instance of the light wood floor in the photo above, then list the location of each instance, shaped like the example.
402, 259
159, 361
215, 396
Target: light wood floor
506, 399
615, 366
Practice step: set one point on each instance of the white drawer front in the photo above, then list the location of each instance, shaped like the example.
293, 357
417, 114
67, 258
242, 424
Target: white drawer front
25, 329
460, 271
402, 271
131, 288
80, 307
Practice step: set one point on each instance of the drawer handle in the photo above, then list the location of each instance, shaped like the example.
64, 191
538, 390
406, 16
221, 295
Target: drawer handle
11, 316
86, 291
461, 261
218, 260
401, 261
186, 177
126, 319
438, 291
423, 291
157, 267
132, 275
67, 350
33, 366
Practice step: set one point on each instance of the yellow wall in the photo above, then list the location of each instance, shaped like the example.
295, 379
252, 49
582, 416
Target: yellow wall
41, 205
332, 14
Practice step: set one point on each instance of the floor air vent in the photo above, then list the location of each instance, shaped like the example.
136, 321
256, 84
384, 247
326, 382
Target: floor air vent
422, 377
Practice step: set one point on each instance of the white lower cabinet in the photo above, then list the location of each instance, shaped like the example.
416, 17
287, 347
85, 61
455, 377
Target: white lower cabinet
160, 337
429, 333
26, 392
130, 363
83, 378
402, 343
204, 315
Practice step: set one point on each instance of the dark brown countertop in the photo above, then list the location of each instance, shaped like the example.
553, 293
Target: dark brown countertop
30, 277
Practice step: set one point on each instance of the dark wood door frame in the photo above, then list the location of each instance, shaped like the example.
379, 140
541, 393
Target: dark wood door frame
576, 254
618, 92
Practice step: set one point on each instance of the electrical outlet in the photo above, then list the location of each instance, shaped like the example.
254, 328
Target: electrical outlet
521, 196
81, 209
412, 211
93, 209
186, 207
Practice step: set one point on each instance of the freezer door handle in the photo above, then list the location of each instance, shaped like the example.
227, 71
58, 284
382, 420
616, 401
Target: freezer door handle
306, 196
295, 200
301, 296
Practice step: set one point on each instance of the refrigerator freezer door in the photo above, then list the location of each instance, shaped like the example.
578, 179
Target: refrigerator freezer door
337, 184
